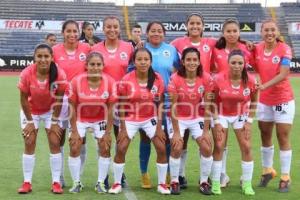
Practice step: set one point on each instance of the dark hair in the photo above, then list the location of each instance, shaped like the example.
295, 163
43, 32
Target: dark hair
94, 54
137, 26
50, 35
155, 22
53, 67
69, 22
272, 21
221, 43
151, 73
84, 26
198, 14
112, 17
244, 72
182, 71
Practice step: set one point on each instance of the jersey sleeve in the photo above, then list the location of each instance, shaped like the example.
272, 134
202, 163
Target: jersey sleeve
24, 82
286, 52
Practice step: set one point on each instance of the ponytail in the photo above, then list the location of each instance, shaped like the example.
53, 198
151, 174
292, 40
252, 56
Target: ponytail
151, 78
52, 75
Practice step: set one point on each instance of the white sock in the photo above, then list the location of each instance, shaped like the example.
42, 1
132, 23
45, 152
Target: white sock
74, 166
83, 155
205, 168
118, 171
103, 166
162, 169
285, 161
224, 160
183, 158
267, 154
62, 172
216, 170
28, 165
55, 165
174, 168
247, 170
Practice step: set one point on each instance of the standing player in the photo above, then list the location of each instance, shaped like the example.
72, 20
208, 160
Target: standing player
42, 86
141, 95
91, 102
165, 61
50, 39
70, 56
87, 34
234, 91
188, 88
194, 38
136, 36
117, 55
276, 103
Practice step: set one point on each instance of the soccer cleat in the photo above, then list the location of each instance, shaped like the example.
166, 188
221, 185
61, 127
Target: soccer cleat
182, 182
163, 189
106, 182
284, 186
62, 181
224, 180
115, 188
168, 180
205, 188
216, 188
247, 188
76, 188
175, 188
123, 181
146, 181
25, 188
266, 178
100, 188
56, 188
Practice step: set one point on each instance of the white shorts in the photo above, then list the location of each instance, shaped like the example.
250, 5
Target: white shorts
237, 122
64, 122
149, 126
282, 113
195, 127
46, 118
98, 128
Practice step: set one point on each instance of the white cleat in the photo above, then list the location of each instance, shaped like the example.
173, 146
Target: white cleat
115, 189
163, 189
224, 180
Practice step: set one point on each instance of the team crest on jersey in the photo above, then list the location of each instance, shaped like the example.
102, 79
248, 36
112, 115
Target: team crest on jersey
105, 95
54, 86
154, 90
246, 92
82, 57
275, 60
201, 89
166, 53
206, 48
123, 56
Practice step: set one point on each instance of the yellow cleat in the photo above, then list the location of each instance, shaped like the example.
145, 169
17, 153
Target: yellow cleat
146, 181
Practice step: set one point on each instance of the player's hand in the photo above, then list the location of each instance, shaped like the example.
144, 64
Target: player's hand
247, 130
219, 131
176, 141
75, 138
56, 130
29, 129
206, 137
106, 138
160, 134
122, 134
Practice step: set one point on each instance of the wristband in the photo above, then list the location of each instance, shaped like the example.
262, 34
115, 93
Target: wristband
249, 120
53, 122
216, 121
30, 122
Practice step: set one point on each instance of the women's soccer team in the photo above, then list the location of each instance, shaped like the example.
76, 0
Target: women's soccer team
194, 86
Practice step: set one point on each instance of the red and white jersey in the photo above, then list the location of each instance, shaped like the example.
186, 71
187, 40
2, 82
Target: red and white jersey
205, 47
268, 66
190, 97
74, 64
140, 102
39, 96
91, 104
220, 58
233, 101
115, 63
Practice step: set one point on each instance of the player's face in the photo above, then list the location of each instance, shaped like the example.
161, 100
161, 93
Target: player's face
142, 61
95, 66
111, 29
89, 31
236, 64
191, 62
156, 34
269, 32
43, 58
71, 33
136, 33
231, 33
195, 26
51, 41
